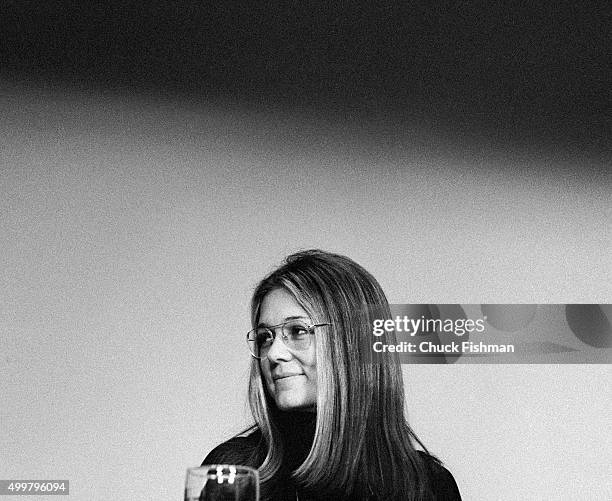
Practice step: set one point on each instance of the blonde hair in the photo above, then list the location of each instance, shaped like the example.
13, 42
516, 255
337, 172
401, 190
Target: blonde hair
362, 442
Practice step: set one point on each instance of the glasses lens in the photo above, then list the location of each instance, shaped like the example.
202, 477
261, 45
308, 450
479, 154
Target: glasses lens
297, 335
260, 341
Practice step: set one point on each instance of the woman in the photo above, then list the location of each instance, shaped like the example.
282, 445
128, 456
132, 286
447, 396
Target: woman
329, 421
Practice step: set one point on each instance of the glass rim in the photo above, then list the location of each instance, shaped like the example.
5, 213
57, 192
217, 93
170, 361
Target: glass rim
241, 479
215, 466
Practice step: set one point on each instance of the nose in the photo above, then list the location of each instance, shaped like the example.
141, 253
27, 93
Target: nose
279, 351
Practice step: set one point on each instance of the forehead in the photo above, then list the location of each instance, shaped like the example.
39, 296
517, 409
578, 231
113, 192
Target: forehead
279, 305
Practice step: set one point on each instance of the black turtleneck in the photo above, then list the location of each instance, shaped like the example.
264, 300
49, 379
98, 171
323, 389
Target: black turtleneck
297, 431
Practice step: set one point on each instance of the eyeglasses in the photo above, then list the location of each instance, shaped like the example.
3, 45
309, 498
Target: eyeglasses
296, 335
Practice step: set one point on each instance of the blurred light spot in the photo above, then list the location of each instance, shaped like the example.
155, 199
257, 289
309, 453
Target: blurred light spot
589, 323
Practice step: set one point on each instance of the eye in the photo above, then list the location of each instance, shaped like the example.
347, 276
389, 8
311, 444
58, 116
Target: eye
298, 330
263, 337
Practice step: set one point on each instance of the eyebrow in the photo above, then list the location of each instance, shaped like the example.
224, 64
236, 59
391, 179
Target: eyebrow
294, 317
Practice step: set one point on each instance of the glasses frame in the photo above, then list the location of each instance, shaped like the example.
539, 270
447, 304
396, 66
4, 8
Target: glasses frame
272, 329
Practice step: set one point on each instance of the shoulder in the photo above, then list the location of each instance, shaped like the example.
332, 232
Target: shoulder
441, 480
237, 450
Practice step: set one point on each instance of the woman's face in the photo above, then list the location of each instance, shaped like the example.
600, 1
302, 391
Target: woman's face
290, 376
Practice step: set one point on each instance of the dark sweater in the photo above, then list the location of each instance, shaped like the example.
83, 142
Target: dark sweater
298, 432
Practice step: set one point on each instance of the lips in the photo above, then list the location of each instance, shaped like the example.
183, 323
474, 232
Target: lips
284, 376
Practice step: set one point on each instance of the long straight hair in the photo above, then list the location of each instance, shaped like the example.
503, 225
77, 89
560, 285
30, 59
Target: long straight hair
362, 443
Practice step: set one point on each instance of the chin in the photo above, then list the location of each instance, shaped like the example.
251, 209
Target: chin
285, 405
291, 403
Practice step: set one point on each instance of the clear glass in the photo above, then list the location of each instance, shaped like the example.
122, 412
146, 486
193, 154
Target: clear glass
222, 482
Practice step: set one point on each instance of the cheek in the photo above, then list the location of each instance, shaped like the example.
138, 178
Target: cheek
310, 365
265, 371
310, 368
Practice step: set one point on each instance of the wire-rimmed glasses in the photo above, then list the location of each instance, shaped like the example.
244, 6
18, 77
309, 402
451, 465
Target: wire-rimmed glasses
296, 334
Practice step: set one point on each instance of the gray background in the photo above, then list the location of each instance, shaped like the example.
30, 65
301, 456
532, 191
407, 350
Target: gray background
133, 230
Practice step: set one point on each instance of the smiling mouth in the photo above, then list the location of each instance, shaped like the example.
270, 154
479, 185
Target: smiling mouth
286, 377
